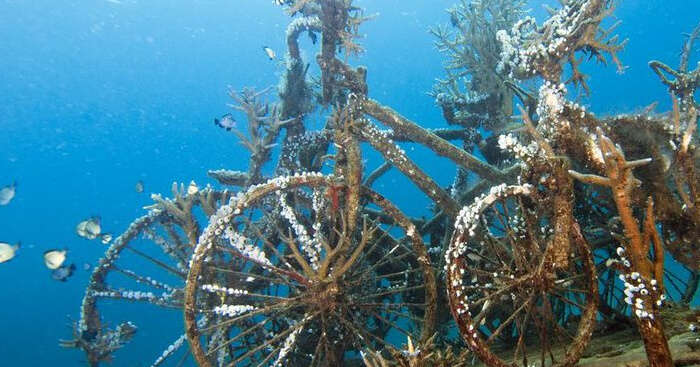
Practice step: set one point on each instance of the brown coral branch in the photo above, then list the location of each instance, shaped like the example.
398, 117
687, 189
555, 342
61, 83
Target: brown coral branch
621, 181
658, 250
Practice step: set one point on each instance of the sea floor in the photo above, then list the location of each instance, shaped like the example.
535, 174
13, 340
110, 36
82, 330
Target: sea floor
624, 348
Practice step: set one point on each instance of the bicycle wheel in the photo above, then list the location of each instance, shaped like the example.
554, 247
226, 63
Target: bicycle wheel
514, 306
143, 272
284, 279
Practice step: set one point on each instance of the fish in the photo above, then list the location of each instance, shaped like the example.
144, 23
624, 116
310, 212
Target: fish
192, 188
313, 37
139, 186
63, 273
91, 229
87, 266
55, 258
269, 52
226, 122
7, 251
7, 193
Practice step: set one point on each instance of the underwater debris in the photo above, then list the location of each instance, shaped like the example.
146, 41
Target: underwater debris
139, 186
7, 193
550, 227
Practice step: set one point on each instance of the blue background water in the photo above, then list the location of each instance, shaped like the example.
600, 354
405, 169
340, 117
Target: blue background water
95, 95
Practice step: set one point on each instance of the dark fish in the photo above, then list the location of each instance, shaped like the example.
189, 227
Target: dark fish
63, 273
269, 52
139, 186
313, 37
226, 122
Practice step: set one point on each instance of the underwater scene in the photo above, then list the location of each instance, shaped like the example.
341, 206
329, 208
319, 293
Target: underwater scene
364, 183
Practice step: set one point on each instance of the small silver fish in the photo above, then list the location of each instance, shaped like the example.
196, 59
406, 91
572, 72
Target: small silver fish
226, 122
192, 188
63, 273
139, 186
54, 258
269, 52
7, 251
89, 228
7, 193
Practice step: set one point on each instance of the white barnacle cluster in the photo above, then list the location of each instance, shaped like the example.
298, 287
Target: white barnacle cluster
137, 295
466, 223
169, 350
551, 101
593, 150
114, 249
623, 259
105, 294
468, 217
132, 295
287, 346
526, 43
301, 24
394, 153
526, 153
147, 280
637, 291
232, 310
215, 288
513, 55
218, 223
241, 243
311, 248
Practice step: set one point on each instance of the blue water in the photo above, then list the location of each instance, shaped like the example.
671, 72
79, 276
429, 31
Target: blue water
96, 95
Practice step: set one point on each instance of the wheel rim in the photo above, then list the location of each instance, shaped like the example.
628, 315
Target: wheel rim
160, 243
512, 305
311, 286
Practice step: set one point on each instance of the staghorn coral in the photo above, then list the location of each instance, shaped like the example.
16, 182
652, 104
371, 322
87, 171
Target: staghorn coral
473, 93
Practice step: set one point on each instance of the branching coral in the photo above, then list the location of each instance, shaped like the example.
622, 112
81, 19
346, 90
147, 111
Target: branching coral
529, 49
473, 93
644, 280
